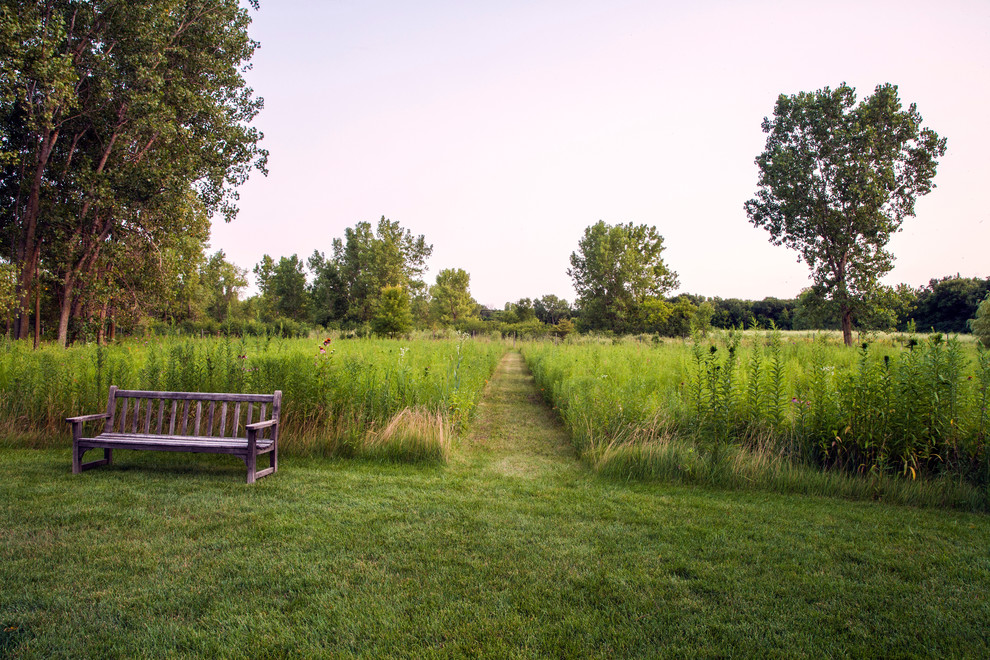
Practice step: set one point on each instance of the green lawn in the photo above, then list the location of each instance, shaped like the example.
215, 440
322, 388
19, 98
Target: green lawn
512, 549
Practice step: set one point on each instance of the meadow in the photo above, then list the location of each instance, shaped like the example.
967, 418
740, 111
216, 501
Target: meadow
798, 412
341, 397
514, 548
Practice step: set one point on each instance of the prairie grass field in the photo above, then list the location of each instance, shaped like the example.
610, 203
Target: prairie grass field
799, 412
514, 548
339, 395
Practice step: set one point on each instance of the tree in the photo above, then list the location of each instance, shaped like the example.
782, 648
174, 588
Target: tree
283, 287
451, 299
392, 314
368, 261
327, 294
223, 283
836, 180
550, 309
981, 324
8, 292
118, 120
615, 269
947, 304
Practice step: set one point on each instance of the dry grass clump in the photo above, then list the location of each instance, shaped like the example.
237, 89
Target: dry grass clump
413, 435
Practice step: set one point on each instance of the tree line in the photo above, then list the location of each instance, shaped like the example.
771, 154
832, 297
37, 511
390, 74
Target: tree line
125, 127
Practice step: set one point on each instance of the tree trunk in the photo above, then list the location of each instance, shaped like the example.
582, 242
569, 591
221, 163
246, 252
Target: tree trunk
37, 314
847, 326
65, 311
101, 328
28, 246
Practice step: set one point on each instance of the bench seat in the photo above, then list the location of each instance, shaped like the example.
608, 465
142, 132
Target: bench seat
193, 443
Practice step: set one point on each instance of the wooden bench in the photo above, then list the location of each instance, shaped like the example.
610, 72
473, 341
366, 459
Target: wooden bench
202, 422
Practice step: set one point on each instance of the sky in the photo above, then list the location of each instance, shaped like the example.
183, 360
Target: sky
502, 130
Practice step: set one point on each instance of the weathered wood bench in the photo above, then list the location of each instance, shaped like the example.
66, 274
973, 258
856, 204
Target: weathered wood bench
212, 423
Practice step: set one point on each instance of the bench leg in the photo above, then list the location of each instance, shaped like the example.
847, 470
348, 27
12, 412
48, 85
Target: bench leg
77, 454
252, 466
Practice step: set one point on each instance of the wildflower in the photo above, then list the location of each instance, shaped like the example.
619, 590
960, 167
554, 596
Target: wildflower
323, 350
326, 342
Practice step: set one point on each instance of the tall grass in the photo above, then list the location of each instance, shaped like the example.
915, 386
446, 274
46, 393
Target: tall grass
336, 392
744, 408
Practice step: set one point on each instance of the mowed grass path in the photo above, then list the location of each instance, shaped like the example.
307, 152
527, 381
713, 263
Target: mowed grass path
514, 549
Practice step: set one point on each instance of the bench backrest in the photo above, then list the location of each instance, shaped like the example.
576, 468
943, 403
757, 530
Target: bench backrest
210, 414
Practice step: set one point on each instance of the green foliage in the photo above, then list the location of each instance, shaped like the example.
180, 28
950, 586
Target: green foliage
126, 126
948, 304
336, 392
837, 180
392, 314
981, 324
283, 288
550, 309
450, 297
615, 270
367, 261
222, 282
914, 411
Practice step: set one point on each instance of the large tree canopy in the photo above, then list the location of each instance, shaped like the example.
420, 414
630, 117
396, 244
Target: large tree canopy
119, 120
615, 270
836, 180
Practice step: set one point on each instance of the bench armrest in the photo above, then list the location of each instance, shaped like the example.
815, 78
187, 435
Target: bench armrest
87, 418
257, 426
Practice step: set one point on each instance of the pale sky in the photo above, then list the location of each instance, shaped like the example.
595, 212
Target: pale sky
502, 130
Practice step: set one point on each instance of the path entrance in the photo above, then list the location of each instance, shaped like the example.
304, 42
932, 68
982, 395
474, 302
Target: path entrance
515, 433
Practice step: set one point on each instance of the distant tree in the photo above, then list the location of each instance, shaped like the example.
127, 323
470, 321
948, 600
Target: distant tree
615, 269
368, 261
678, 324
836, 180
701, 321
947, 304
327, 293
223, 283
450, 297
563, 327
283, 287
523, 310
981, 324
550, 309
655, 314
392, 315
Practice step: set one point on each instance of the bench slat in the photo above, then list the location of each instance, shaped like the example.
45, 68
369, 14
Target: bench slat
124, 404
171, 418
223, 418
237, 418
199, 416
161, 416
209, 422
147, 418
195, 396
186, 443
185, 416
